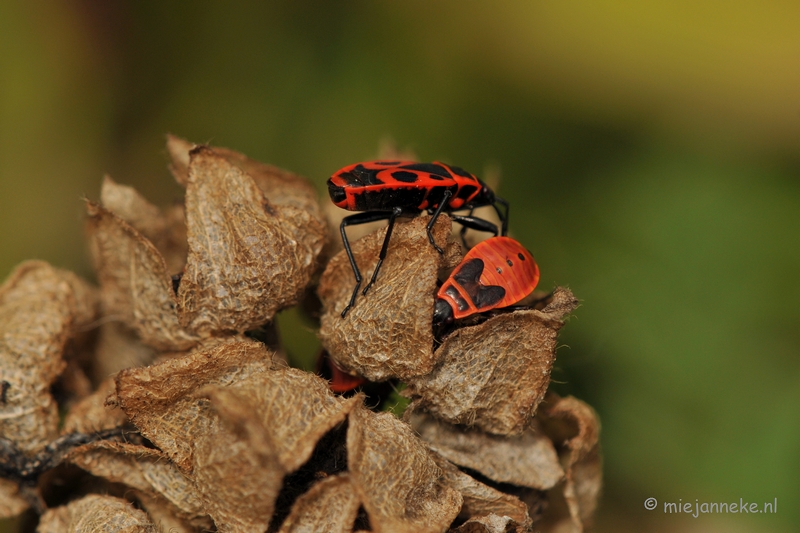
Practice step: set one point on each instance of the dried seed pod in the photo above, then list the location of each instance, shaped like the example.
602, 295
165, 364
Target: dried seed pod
330, 506
396, 477
248, 257
285, 411
135, 286
268, 426
144, 469
93, 413
233, 423
482, 500
495, 374
159, 399
526, 460
41, 308
166, 230
388, 332
574, 426
96, 513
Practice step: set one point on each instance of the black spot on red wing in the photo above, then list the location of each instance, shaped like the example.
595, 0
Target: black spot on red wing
521, 257
387, 163
488, 296
509, 262
363, 176
458, 171
466, 191
460, 302
499, 270
436, 171
405, 176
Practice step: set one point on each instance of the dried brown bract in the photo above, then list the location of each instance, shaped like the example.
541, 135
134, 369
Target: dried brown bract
330, 506
396, 477
526, 460
146, 470
135, 286
388, 332
494, 375
233, 423
41, 309
96, 513
160, 401
575, 429
481, 500
166, 230
248, 257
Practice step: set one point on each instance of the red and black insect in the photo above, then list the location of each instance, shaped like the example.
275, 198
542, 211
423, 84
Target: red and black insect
388, 189
497, 272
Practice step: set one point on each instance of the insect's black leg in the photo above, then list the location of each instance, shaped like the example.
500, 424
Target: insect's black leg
447, 194
476, 224
354, 220
395, 213
503, 216
463, 231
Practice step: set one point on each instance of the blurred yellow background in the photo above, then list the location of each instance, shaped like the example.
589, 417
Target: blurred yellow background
651, 152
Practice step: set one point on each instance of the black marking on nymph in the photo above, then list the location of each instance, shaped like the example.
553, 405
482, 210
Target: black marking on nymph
469, 278
452, 292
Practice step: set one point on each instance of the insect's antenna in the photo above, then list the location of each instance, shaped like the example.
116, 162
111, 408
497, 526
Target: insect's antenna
503, 216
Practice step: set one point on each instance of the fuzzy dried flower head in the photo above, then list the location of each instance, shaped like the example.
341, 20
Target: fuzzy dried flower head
220, 434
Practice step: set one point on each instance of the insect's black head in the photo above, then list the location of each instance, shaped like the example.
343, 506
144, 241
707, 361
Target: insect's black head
485, 196
442, 313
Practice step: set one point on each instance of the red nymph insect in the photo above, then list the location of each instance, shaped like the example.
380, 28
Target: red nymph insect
497, 272
388, 189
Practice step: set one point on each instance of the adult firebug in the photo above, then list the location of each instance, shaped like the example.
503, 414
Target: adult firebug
388, 189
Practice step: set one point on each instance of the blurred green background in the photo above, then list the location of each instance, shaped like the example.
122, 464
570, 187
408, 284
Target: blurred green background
651, 152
